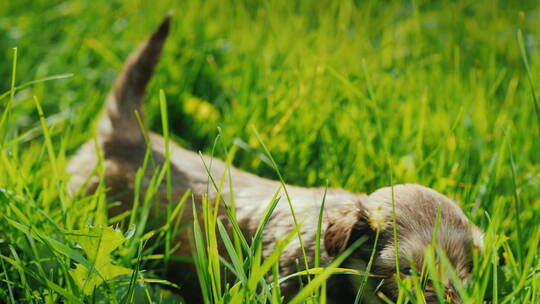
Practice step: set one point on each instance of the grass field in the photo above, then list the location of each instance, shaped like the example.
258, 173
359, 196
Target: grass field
362, 94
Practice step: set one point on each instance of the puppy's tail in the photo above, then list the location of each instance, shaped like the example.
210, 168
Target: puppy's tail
127, 95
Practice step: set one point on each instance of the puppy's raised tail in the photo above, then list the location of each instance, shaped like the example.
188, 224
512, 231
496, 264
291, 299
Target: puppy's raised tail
119, 123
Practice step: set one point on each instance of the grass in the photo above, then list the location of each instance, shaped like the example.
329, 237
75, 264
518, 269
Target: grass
359, 94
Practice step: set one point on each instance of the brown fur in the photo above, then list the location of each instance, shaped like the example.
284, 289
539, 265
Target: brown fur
348, 216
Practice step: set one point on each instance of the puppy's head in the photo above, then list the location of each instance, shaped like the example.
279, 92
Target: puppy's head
416, 209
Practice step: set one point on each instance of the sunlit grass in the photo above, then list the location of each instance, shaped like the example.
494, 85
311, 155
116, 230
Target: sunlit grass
352, 94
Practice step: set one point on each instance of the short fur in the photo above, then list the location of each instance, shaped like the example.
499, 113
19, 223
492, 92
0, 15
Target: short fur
347, 217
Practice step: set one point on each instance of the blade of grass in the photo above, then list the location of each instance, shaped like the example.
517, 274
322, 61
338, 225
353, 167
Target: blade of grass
323, 276
296, 224
529, 76
10, 290
14, 89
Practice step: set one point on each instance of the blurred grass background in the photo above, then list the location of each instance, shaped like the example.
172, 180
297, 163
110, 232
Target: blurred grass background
362, 93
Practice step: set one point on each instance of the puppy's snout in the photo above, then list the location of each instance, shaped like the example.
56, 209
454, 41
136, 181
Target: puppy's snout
449, 296
452, 296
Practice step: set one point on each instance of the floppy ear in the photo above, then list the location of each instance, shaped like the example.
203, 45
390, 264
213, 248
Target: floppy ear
344, 221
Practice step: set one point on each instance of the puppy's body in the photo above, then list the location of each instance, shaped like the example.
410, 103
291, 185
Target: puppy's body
347, 216
252, 194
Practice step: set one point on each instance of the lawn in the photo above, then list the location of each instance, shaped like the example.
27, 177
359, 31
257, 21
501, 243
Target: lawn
353, 94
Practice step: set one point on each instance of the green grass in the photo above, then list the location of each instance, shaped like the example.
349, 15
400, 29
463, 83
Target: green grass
361, 94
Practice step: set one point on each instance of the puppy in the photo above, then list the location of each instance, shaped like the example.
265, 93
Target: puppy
347, 216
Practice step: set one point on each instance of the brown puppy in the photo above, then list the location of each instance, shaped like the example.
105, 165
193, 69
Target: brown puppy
348, 216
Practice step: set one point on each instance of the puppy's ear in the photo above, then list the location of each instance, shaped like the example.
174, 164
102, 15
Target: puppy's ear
346, 222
